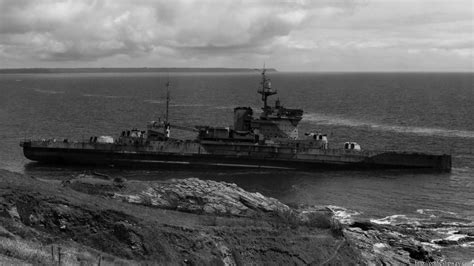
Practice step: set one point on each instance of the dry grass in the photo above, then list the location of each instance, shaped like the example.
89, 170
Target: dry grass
313, 219
24, 251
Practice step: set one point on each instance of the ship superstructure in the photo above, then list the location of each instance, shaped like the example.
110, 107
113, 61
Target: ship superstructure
270, 140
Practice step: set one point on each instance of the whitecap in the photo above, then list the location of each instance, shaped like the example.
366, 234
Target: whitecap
468, 245
396, 219
48, 91
433, 212
455, 237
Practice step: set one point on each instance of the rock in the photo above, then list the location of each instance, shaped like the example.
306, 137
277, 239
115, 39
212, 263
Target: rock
364, 225
5, 233
377, 244
203, 196
455, 241
13, 212
467, 231
383, 245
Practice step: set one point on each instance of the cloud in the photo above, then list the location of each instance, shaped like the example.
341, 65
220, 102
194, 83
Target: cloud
89, 30
75, 30
240, 33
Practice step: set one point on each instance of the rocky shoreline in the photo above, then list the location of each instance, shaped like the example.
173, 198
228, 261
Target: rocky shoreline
95, 218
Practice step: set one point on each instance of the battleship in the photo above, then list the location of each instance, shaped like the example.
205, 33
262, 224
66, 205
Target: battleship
267, 141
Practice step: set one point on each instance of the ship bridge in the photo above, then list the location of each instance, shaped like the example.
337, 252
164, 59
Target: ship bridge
275, 121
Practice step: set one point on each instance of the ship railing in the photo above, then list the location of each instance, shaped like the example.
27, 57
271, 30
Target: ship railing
335, 152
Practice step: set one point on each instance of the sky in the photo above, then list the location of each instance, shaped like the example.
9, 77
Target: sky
289, 35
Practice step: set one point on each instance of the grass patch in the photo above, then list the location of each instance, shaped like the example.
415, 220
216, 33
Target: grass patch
311, 219
24, 251
289, 217
36, 253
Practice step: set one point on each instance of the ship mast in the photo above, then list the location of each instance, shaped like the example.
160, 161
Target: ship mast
167, 101
166, 123
266, 89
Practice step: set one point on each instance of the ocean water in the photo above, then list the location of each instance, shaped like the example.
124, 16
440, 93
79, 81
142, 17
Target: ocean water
429, 112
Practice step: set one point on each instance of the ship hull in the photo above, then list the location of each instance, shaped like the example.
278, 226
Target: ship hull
149, 159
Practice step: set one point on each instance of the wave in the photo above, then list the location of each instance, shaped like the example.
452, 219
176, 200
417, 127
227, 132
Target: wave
343, 215
435, 213
454, 237
428, 219
105, 96
464, 169
323, 119
436, 234
397, 219
468, 245
456, 224
223, 107
48, 91
154, 101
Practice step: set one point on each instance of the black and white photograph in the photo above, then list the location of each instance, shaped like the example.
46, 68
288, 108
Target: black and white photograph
237, 132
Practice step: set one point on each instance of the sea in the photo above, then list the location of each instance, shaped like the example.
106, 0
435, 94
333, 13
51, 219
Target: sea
421, 112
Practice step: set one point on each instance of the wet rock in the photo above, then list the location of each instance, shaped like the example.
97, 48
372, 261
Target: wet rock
467, 231
364, 225
384, 245
454, 242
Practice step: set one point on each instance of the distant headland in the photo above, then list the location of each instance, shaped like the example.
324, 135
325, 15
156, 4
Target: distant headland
127, 70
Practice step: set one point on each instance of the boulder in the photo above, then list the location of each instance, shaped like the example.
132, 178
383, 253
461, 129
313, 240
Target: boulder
203, 196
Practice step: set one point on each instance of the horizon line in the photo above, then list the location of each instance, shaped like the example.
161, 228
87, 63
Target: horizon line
12, 70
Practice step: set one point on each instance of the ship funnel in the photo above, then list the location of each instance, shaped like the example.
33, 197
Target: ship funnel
242, 118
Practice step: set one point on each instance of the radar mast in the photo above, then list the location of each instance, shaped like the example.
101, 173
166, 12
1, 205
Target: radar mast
266, 89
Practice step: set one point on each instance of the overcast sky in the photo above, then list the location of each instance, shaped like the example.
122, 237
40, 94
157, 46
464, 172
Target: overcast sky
304, 35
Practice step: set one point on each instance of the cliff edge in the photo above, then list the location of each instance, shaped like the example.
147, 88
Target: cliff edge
93, 219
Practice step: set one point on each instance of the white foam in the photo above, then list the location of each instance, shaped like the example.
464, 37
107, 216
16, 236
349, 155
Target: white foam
223, 107
154, 101
48, 91
431, 245
343, 215
458, 224
385, 220
456, 237
396, 220
323, 119
104, 96
431, 211
468, 245
379, 247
